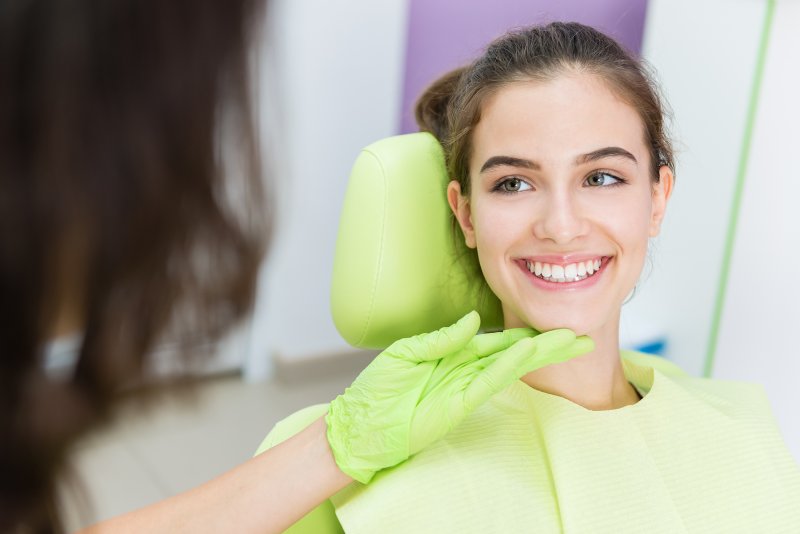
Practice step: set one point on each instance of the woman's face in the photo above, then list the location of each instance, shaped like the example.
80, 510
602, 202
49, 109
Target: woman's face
561, 186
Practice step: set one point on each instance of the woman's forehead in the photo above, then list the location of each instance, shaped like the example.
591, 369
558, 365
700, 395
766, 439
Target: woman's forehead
571, 114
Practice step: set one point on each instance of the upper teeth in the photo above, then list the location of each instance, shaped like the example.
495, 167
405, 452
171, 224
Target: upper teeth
564, 273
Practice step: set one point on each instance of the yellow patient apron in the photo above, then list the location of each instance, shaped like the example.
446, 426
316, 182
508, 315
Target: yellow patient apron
694, 455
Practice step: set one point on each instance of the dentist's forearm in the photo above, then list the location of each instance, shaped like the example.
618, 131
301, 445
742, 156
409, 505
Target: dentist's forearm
267, 493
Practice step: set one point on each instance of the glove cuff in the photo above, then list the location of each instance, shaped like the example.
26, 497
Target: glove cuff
338, 423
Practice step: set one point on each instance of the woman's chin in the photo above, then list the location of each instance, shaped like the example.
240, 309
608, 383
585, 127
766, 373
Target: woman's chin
545, 325
580, 323
578, 329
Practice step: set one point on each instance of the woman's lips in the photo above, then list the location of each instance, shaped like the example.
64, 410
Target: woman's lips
587, 273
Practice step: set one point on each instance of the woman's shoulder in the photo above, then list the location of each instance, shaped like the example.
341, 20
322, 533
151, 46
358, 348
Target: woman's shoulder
732, 396
659, 363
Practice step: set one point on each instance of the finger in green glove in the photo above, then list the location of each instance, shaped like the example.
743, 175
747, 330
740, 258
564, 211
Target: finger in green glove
418, 389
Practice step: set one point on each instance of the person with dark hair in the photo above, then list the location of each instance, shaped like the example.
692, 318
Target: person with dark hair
123, 223
113, 214
561, 170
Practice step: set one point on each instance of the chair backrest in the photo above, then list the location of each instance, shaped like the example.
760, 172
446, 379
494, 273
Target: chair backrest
401, 268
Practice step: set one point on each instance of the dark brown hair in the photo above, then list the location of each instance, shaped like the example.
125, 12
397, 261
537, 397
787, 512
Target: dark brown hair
451, 107
130, 190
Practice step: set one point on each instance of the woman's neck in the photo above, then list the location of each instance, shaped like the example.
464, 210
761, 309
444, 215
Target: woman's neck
594, 380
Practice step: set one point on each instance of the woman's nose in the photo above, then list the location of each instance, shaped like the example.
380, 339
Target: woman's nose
560, 219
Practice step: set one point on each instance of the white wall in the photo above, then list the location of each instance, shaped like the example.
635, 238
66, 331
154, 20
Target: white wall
757, 340
704, 53
336, 68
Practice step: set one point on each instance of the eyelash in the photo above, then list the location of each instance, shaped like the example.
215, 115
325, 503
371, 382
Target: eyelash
498, 187
619, 181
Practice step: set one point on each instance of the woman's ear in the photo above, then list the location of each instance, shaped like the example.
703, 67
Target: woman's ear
461, 209
661, 193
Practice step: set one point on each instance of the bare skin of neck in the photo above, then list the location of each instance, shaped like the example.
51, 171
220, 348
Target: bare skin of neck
594, 380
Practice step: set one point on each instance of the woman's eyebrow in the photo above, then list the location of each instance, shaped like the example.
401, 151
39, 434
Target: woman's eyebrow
609, 151
509, 161
600, 153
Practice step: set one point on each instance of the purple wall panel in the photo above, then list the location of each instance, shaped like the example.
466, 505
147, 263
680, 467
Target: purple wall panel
443, 34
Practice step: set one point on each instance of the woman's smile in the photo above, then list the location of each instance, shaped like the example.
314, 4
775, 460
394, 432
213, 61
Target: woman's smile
553, 276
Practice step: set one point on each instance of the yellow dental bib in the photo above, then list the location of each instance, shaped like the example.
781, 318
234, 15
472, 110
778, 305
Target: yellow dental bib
694, 455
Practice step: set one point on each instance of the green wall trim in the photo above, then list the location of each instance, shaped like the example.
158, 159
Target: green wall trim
744, 157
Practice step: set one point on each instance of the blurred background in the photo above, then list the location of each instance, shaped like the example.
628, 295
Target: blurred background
719, 296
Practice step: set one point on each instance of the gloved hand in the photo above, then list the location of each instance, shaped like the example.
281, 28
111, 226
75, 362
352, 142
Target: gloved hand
418, 389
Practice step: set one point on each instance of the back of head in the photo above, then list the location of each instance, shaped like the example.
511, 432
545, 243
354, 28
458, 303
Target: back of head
451, 107
115, 208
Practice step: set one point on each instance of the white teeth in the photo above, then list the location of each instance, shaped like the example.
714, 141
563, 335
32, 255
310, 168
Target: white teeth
572, 272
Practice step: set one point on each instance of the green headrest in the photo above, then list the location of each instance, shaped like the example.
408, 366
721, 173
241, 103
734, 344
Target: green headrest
401, 268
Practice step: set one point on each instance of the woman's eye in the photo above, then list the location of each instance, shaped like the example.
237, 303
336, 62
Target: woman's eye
603, 179
511, 185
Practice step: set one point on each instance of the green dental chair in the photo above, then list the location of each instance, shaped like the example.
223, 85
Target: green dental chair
400, 269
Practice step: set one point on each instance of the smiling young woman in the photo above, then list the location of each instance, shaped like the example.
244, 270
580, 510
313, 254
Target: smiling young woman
560, 209
561, 173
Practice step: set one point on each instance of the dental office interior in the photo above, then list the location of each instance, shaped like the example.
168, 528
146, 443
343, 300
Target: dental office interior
718, 295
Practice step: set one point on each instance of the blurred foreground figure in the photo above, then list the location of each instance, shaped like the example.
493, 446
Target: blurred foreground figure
119, 123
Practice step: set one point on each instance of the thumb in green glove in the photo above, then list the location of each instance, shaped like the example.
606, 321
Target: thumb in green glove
419, 388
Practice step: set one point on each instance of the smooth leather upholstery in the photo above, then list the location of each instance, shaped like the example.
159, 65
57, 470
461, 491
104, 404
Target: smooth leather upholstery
401, 267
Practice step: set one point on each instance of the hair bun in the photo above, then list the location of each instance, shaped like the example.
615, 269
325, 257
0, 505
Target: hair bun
430, 110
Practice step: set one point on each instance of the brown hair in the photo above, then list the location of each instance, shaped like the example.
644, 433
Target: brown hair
116, 201
450, 108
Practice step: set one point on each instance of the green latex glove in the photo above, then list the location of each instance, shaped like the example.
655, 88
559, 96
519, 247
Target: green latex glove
418, 389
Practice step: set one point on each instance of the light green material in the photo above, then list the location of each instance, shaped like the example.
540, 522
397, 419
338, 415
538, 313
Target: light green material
399, 267
694, 456
418, 389
744, 157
